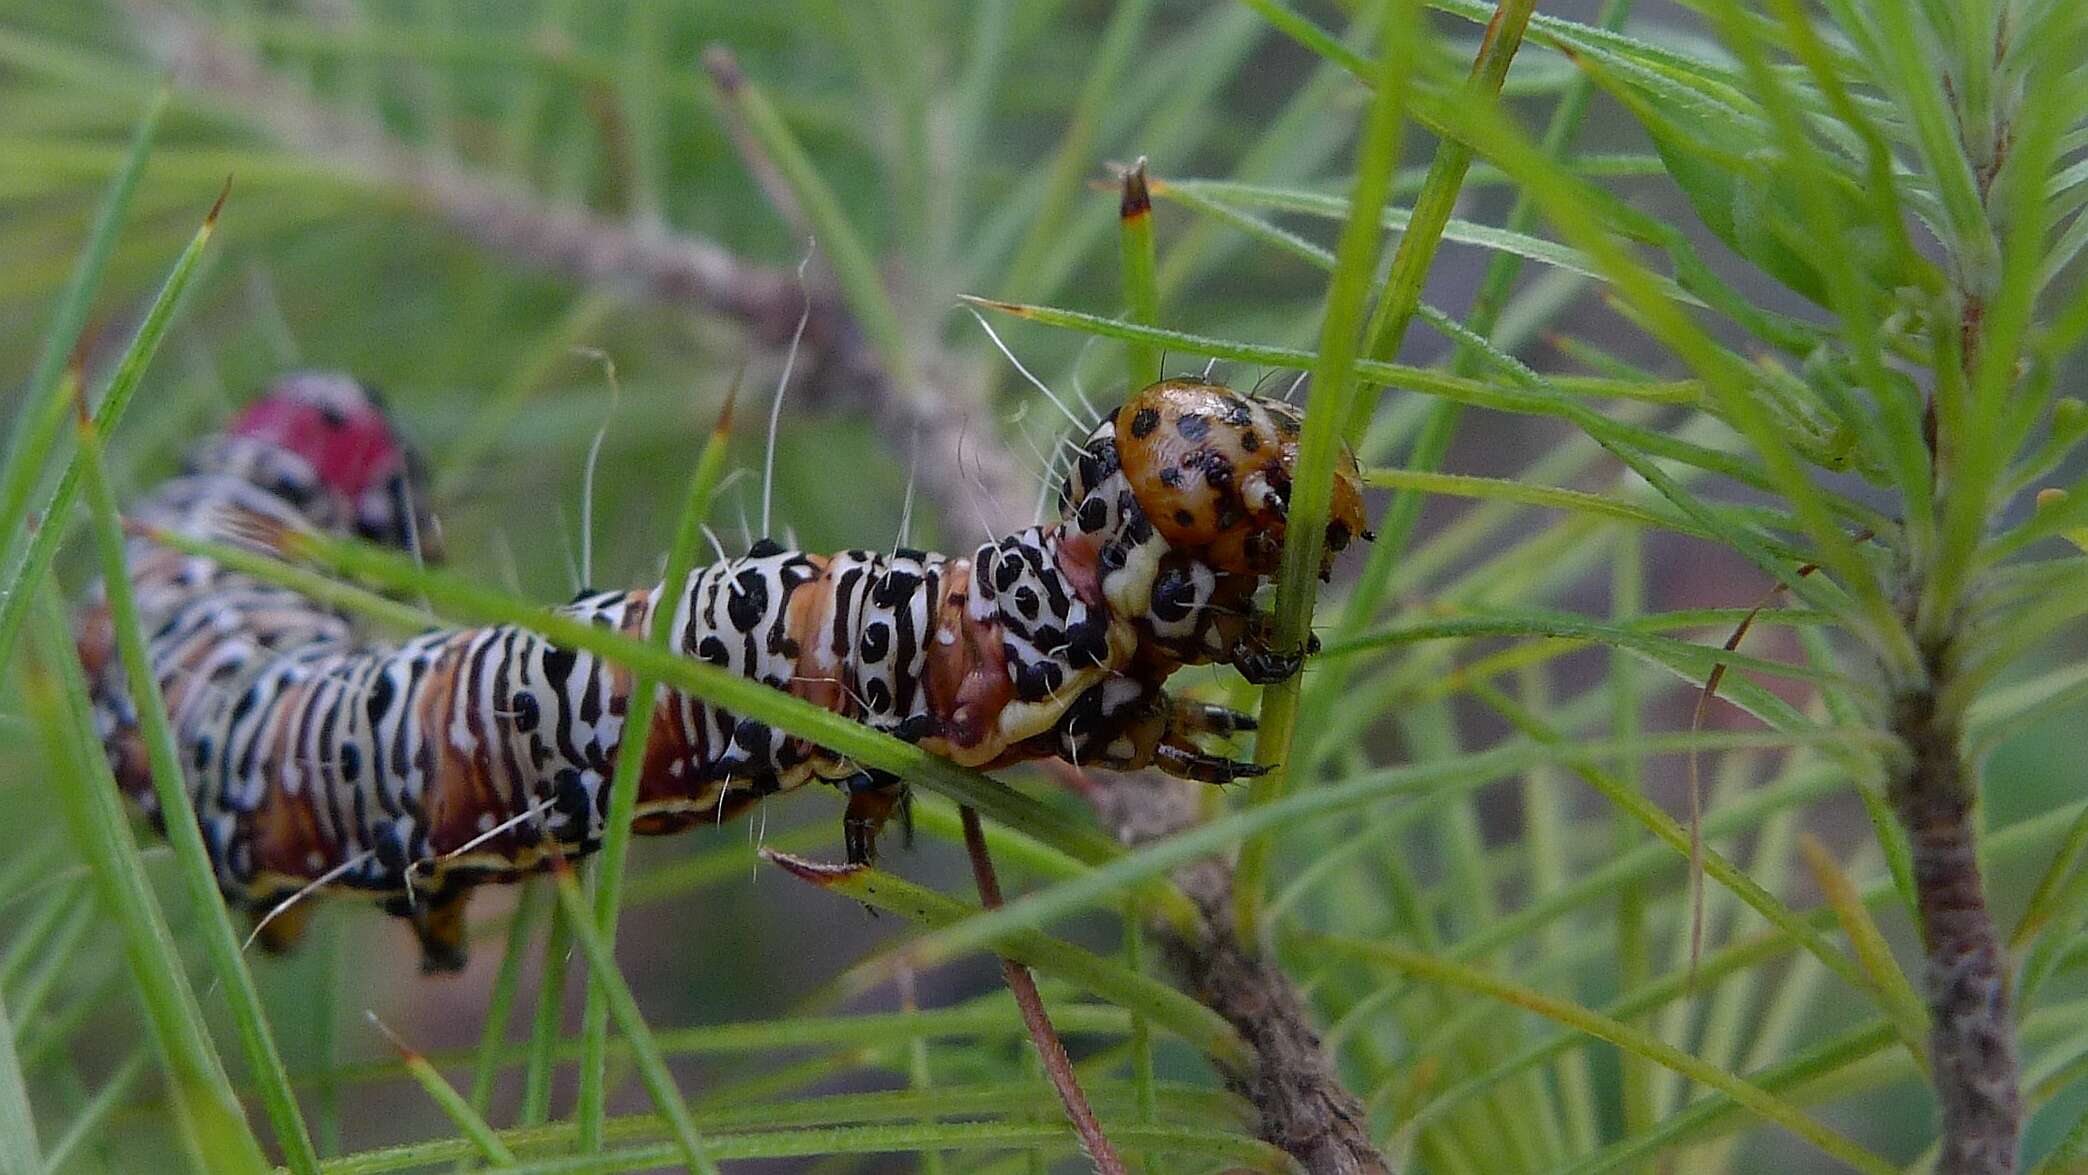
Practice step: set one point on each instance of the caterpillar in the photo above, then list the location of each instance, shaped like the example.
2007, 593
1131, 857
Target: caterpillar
321, 761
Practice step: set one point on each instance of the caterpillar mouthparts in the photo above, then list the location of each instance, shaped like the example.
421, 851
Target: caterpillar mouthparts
320, 760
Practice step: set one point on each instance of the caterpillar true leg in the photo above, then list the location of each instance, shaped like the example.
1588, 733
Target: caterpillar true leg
437, 918
1189, 716
438, 922
320, 760
873, 796
1185, 763
1125, 724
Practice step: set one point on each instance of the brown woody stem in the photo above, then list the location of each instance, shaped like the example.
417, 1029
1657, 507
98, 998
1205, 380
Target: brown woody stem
1290, 1080
942, 412
1971, 1034
1057, 1065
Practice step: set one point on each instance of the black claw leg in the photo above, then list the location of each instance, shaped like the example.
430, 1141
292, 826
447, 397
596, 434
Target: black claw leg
872, 795
1202, 768
1266, 666
859, 835
1194, 717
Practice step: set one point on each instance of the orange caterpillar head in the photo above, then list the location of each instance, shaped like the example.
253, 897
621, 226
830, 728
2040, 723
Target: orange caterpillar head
1211, 468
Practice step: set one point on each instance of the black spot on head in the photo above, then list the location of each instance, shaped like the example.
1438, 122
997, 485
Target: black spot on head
1250, 440
1193, 426
1184, 518
1144, 421
764, 548
333, 416
1171, 478
1238, 414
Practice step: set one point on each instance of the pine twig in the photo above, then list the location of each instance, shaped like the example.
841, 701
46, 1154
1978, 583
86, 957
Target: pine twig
942, 408
1024, 986
1972, 1034
1305, 1109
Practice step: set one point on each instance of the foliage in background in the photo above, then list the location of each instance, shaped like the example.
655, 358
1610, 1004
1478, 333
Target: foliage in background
1727, 306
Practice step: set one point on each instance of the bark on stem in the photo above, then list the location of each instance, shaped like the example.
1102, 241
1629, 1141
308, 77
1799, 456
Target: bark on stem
1304, 1107
1971, 1033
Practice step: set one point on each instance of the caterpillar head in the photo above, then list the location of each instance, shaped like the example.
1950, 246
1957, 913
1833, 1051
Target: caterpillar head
1212, 467
319, 433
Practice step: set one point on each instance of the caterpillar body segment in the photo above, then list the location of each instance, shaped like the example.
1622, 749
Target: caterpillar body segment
321, 760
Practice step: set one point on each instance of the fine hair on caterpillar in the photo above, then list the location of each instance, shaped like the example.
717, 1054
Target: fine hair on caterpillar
322, 761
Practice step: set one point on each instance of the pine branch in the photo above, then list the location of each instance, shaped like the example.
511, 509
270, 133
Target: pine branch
1304, 1107
1972, 1034
942, 417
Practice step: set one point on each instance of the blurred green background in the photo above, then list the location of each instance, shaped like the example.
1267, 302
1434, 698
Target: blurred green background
969, 144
